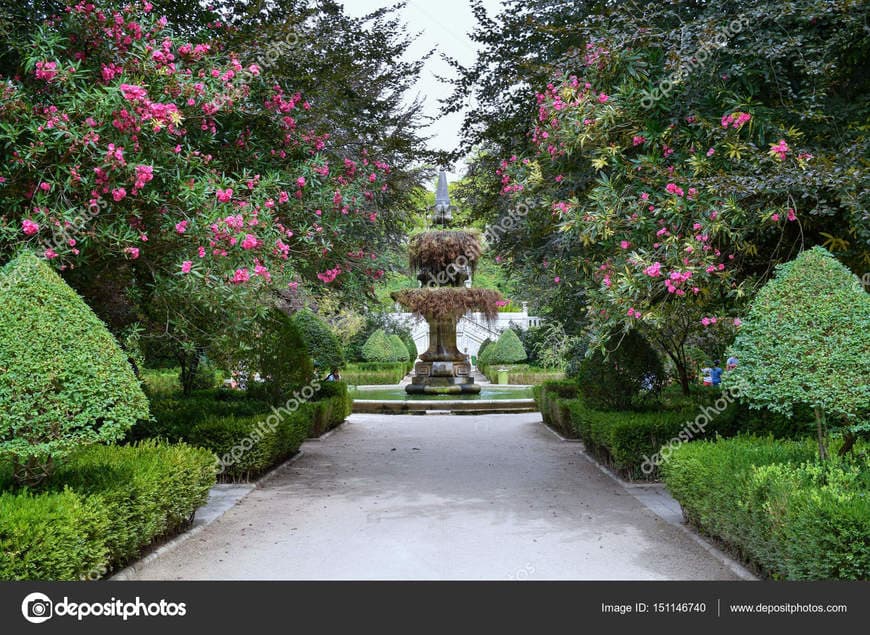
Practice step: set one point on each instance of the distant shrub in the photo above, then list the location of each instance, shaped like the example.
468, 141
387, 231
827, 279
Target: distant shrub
64, 380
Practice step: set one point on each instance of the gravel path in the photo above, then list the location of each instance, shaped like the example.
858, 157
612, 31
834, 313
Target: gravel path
439, 497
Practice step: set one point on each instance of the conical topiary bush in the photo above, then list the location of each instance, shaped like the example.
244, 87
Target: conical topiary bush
400, 351
64, 380
508, 349
378, 348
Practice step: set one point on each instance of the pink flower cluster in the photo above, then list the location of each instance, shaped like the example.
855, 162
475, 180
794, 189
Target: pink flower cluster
329, 275
673, 188
46, 71
735, 120
224, 196
29, 227
779, 149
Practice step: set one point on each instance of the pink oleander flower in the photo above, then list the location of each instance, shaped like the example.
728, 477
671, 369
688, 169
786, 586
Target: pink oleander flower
133, 252
186, 266
673, 188
602, 98
29, 227
300, 181
624, 244
45, 187
224, 196
792, 216
775, 218
181, 227
118, 194
737, 322
46, 71
50, 254
654, 270
711, 152
706, 321
557, 279
201, 252
779, 149
133, 93
241, 275
644, 196
250, 242
638, 140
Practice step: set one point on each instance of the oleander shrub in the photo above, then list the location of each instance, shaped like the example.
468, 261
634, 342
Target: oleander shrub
64, 380
618, 380
320, 342
776, 505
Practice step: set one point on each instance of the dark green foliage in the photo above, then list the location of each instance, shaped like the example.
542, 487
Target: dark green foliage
100, 509
248, 446
281, 357
321, 343
635, 443
791, 516
408, 341
332, 406
616, 380
378, 348
400, 351
64, 381
483, 346
806, 341
553, 400
507, 350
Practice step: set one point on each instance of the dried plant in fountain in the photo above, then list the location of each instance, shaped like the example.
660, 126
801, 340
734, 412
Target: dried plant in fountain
436, 250
449, 302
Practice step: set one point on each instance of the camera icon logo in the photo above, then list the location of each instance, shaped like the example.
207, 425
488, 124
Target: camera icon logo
37, 608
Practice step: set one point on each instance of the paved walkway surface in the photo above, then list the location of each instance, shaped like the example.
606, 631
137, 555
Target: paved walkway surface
487, 497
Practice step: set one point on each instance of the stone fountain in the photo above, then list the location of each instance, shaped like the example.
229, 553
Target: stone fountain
444, 260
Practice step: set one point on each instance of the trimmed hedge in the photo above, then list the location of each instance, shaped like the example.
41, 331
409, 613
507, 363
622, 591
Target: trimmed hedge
553, 399
320, 342
374, 373
379, 348
248, 446
523, 374
631, 442
100, 509
332, 407
776, 506
53, 536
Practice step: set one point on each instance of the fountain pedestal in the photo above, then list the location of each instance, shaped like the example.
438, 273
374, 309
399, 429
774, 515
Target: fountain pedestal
443, 369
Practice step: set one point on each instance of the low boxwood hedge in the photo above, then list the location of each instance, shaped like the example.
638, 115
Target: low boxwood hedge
332, 406
553, 399
780, 509
632, 442
375, 373
100, 509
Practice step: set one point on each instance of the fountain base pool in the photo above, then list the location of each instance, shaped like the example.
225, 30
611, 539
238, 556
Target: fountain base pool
395, 400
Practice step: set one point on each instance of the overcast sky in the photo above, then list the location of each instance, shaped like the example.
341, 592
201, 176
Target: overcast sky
444, 24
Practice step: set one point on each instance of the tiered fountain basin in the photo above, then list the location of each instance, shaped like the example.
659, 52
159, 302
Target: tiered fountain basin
396, 400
